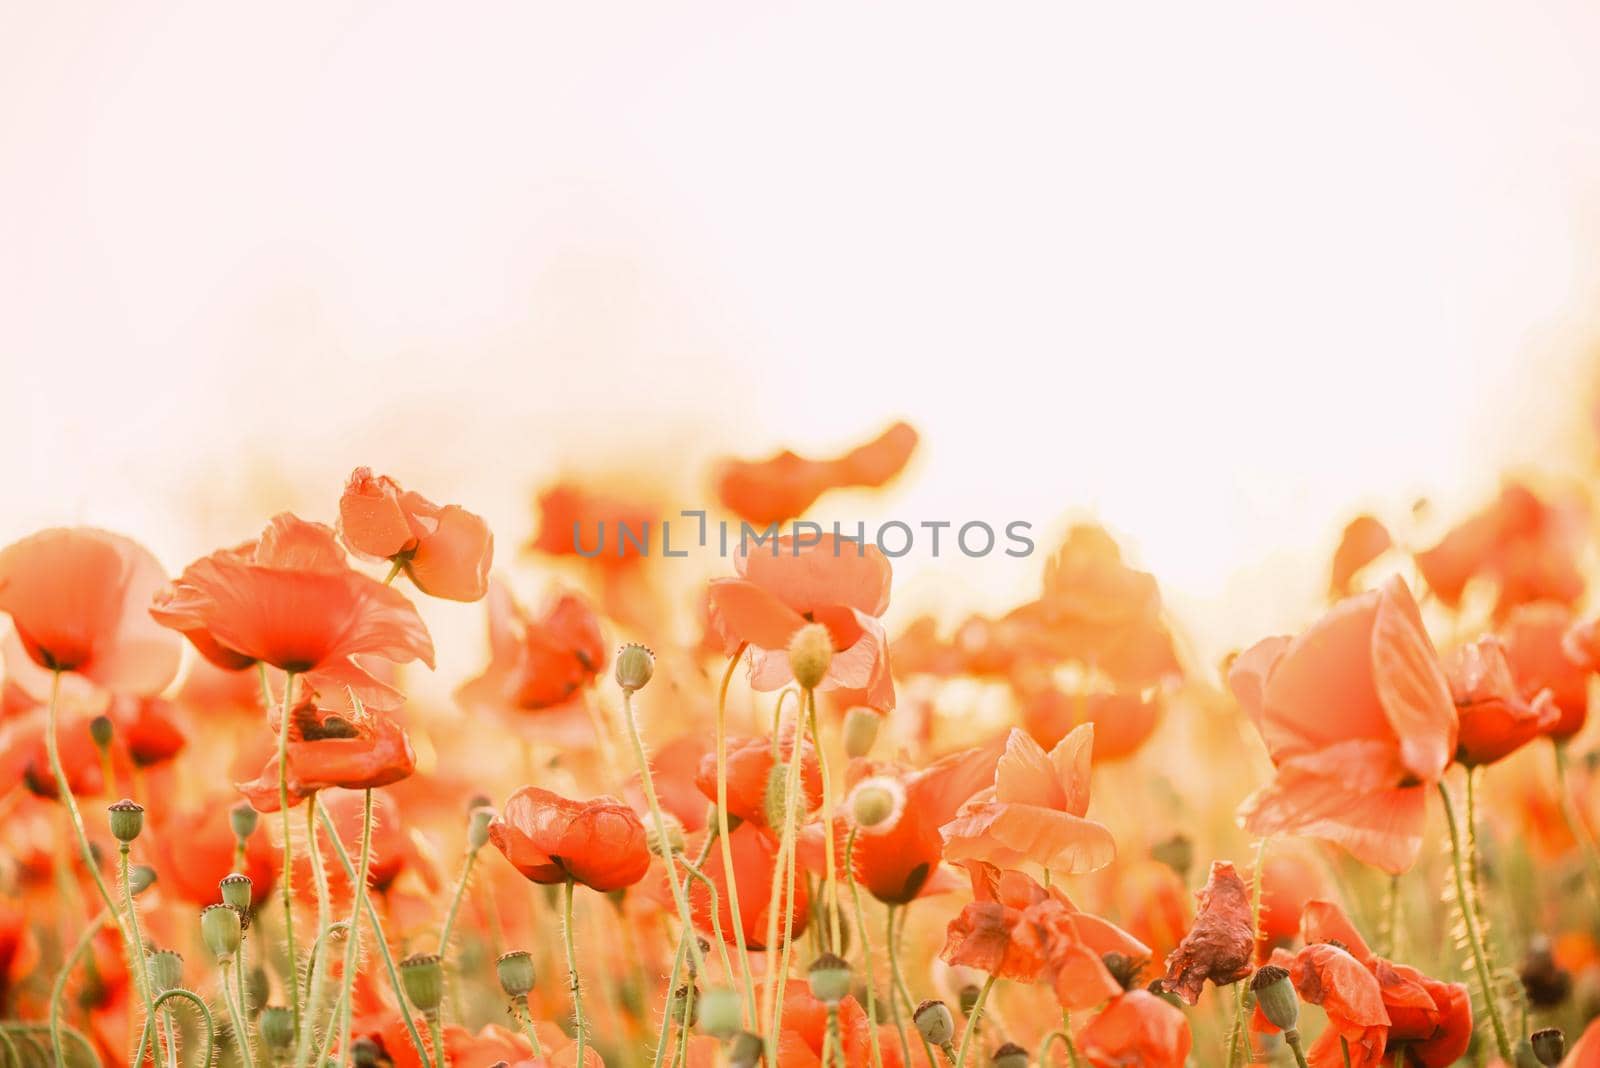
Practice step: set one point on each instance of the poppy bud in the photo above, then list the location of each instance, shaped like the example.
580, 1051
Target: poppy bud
243, 819
810, 653
236, 890
127, 820
221, 928
478, 828
1549, 1045
100, 731
674, 836
635, 665
515, 972
745, 1050
683, 1000
775, 799
276, 1028
861, 730
141, 877
365, 1053
876, 803
1010, 1055
422, 975
1275, 994
1546, 983
829, 976
166, 970
258, 988
934, 1022
721, 1012
967, 998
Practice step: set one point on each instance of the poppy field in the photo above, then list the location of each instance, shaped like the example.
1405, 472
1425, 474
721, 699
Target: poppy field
764, 819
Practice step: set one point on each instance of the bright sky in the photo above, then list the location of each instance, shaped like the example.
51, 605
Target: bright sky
1218, 274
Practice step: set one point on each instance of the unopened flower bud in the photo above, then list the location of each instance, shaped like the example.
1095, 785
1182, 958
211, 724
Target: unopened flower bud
810, 653
674, 836
221, 928
235, 889
875, 803
422, 975
1010, 1055
861, 730
141, 877
166, 970
934, 1022
1549, 1045
478, 828
100, 732
1276, 997
258, 988
243, 819
683, 1000
127, 820
745, 1050
635, 665
721, 1012
829, 976
967, 998
515, 972
275, 1025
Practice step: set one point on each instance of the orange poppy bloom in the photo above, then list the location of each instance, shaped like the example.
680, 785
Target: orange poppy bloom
77, 598
900, 863
290, 599
1288, 881
572, 518
1363, 541
1221, 944
394, 848
1136, 1030
755, 856
1016, 929
1585, 1053
1155, 905
750, 762
1357, 716
540, 663
1123, 722
785, 485
842, 585
1526, 545
1328, 976
148, 728
1035, 812
1495, 719
193, 848
1534, 650
349, 749
446, 551
550, 839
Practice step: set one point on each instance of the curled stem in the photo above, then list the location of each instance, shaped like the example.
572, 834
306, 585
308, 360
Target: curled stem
209, 1029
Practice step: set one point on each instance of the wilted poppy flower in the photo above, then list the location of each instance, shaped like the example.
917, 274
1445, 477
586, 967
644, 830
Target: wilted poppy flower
78, 598
755, 856
1328, 976
550, 839
1221, 944
350, 748
1533, 636
785, 485
1136, 1030
842, 585
446, 551
1495, 719
1526, 545
1016, 929
1363, 541
1035, 812
1357, 716
537, 663
290, 599
750, 761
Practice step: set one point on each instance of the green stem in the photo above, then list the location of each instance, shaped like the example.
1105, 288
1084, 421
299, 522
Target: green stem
241, 1035
866, 948
352, 944
899, 981
830, 870
972, 1021
572, 968
1292, 1037
200, 1006
318, 970
293, 978
1064, 1033
437, 1035
1470, 915
78, 950
1236, 1038
784, 884
694, 872
1575, 821
672, 988
524, 1015
141, 970
723, 833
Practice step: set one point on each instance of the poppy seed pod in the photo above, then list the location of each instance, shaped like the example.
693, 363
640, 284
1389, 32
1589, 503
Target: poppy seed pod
1549, 1045
236, 890
685, 999
243, 819
141, 877
422, 975
515, 972
275, 1025
861, 730
721, 1012
934, 1022
221, 928
127, 820
100, 732
829, 976
365, 1053
875, 804
1275, 994
745, 1050
166, 970
810, 653
1010, 1055
478, 827
635, 665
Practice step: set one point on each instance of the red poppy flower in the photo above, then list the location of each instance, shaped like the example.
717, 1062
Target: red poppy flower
1363, 541
750, 762
147, 728
572, 520
351, 748
77, 598
755, 857
1136, 1030
1585, 1053
1035, 812
291, 600
842, 585
550, 839
1328, 976
1123, 722
394, 847
193, 848
1533, 636
25, 758
446, 551
1495, 719
1526, 545
1221, 945
1288, 881
785, 485
536, 664
1357, 717
1155, 905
